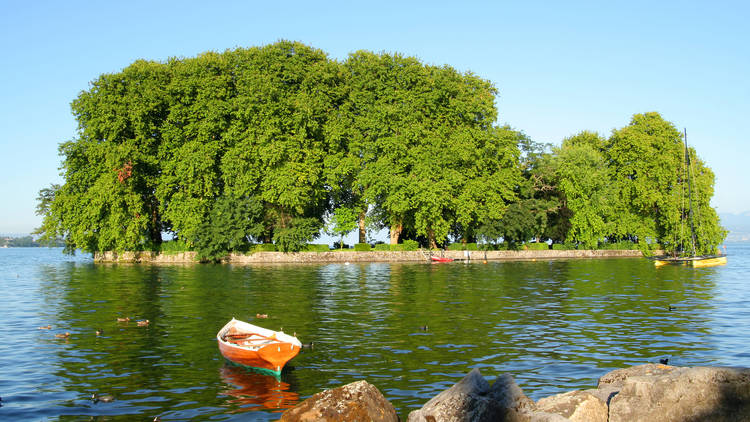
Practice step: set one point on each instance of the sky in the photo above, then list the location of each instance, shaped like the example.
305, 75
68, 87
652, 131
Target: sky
559, 67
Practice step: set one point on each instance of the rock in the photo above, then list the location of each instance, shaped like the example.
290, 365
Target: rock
617, 377
472, 399
575, 406
358, 401
668, 393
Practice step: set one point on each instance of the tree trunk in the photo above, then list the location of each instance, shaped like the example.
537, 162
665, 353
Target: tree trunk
431, 238
155, 228
362, 231
395, 233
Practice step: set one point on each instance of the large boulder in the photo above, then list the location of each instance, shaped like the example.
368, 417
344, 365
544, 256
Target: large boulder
575, 406
667, 393
473, 399
358, 401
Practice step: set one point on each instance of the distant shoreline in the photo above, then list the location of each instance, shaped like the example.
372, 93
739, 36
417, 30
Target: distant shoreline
367, 256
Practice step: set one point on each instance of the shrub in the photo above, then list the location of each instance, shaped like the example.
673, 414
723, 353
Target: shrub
537, 246
264, 247
624, 245
174, 247
382, 247
410, 245
318, 247
362, 247
338, 245
567, 246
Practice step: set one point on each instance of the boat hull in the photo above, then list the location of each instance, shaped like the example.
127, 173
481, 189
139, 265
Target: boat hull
440, 259
279, 348
700, 261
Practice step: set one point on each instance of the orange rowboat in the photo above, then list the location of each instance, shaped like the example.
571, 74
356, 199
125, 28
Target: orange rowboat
440, 259
256, 347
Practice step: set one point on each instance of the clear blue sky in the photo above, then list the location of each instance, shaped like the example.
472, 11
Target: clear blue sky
560, 67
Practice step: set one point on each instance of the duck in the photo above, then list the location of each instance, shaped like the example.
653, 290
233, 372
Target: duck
126, 319
261, 316
664, 361
66, 335
104, 399
99, 332
423, 327
46, 327
309, 345
143, 323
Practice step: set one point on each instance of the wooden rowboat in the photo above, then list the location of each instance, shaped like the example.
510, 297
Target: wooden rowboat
441, 259
257, 347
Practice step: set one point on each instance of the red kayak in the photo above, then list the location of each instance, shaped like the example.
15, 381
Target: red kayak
441, 259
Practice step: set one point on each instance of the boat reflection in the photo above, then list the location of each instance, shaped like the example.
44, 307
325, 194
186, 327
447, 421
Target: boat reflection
256, 391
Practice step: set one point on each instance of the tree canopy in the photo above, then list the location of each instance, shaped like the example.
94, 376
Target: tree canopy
263, 144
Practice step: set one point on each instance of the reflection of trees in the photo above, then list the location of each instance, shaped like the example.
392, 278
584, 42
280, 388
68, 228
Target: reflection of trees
541, 321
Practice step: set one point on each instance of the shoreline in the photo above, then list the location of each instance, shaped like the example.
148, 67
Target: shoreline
366, 256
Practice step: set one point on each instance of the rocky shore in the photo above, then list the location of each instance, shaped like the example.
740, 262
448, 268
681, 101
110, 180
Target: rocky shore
650, 392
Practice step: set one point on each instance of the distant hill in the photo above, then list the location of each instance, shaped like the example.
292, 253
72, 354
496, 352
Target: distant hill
738, 226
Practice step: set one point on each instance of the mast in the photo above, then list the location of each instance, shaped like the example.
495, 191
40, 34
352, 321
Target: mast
690, 195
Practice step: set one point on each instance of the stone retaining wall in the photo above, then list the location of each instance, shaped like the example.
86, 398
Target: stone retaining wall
371, 256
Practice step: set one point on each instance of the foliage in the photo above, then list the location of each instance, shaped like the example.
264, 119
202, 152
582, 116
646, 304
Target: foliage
584, 180
317, 247
175, 246
382, 247
260, 144
264, 247
232, 225
295, 235
410, 245
563, 246
462, 247
362, 247
342, 222
537, 246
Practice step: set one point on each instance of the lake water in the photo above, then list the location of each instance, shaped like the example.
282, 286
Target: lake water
554, 325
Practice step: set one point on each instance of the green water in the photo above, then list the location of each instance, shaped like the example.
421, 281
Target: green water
412, 329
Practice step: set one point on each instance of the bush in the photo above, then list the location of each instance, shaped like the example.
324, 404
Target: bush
264, 247
338, 245
564, 246
537, 246
410, 245
362, 247
462, 247
625, 245
317, 247
382, 247
174, 247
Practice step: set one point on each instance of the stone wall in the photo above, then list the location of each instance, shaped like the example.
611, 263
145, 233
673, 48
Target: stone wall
371, 256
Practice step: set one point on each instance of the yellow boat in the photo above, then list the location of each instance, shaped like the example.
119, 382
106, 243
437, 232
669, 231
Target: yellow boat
696, 261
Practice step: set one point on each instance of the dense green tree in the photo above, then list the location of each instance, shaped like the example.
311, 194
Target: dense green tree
233, 224
646, 160
107, 201
584, 179
343, 221
285, 94
259, 144
421, 147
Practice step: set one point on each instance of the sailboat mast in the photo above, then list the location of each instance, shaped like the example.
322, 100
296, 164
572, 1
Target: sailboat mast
690, 194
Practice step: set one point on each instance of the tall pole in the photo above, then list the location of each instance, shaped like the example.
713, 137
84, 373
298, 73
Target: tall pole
690, 193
